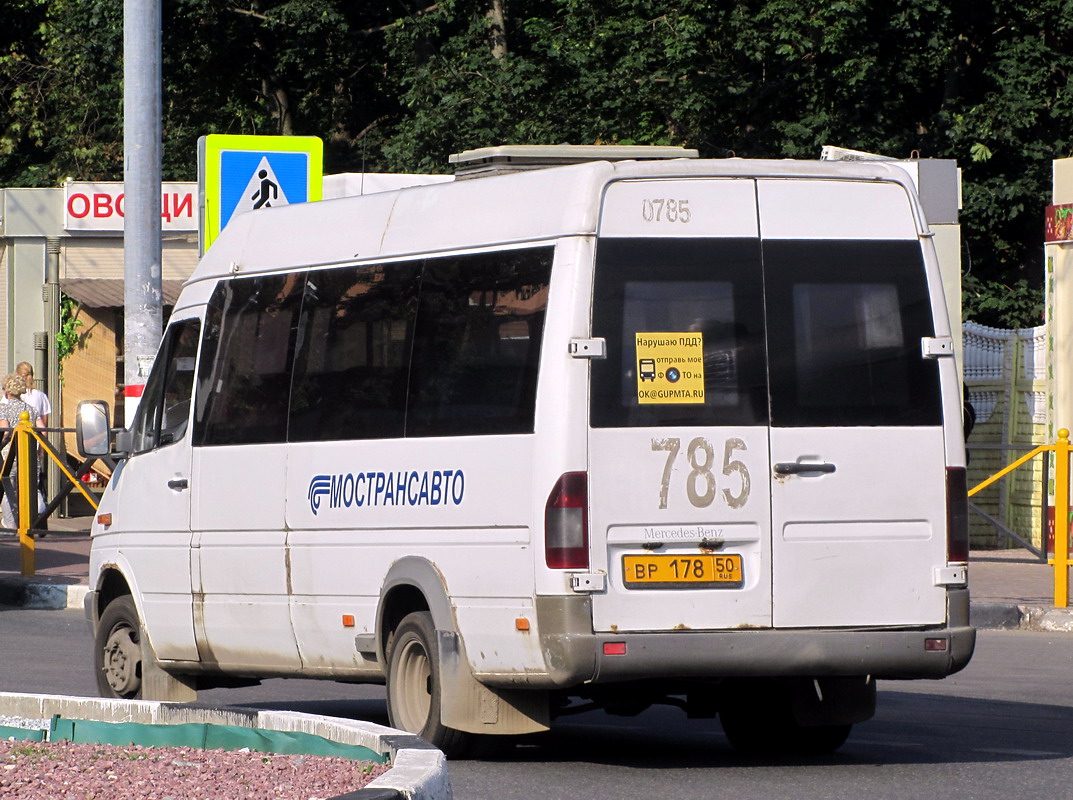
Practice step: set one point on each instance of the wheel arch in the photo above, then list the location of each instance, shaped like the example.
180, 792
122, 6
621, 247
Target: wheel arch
412, 584
416, 584
111, 584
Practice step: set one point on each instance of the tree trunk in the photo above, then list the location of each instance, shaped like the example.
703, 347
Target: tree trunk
273, 88
279, 98
497, 29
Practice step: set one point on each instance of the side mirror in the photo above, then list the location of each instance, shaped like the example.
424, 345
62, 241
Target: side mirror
92, 429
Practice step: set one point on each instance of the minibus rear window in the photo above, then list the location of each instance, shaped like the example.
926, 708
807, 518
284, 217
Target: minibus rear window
845, 323
661, 287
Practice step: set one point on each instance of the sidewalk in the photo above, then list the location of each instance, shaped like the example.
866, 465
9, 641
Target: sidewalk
61, 561
1014, 589
1009, 588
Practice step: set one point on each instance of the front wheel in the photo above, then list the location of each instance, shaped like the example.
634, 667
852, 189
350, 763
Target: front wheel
118, 651
413, 685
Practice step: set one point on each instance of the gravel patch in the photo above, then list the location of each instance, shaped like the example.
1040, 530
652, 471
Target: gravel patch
69, 771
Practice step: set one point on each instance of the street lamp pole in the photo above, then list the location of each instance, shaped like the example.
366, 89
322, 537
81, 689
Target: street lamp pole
142, 294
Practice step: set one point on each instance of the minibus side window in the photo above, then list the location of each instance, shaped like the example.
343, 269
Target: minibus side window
353, 353
476, 355
245, 374
164, 410
846, 320
708, 287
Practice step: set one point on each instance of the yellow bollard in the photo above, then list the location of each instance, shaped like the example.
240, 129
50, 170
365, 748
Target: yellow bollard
1061, 519
26, 542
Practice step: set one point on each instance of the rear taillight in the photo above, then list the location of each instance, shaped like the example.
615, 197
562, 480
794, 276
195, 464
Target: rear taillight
566, 523
957, 516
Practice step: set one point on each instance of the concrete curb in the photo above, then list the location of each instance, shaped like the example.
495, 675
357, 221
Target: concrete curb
1010, 616
27, 593
418, 770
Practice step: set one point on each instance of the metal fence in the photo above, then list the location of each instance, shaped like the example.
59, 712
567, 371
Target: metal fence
19, 479
1006, 378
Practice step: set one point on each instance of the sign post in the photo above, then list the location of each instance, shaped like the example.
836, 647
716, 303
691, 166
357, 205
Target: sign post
237, 174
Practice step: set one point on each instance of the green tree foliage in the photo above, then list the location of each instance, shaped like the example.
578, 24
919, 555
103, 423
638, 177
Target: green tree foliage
68, 339
62, 92
991, 302
401, 84
297, 67
271, 67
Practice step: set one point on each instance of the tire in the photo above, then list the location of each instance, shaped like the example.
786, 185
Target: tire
762, 723
413, 685
118, 651
786, 738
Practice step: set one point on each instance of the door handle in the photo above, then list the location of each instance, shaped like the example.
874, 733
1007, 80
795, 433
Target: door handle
799, 468
178, 484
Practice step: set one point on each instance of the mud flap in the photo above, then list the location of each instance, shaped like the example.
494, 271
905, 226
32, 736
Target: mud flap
833, 701
468, 705
157, 684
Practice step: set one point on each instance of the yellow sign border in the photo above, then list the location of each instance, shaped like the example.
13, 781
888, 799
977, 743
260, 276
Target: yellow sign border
210, 150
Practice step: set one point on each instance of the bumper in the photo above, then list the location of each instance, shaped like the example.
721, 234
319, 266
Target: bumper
882, 654
576, 658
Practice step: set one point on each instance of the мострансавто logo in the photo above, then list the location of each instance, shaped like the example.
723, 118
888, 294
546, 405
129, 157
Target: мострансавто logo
437, 487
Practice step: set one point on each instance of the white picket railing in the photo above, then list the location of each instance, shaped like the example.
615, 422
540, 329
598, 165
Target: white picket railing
1005, 373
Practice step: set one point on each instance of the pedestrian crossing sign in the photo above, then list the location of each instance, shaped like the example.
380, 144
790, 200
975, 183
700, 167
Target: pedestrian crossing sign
237, 174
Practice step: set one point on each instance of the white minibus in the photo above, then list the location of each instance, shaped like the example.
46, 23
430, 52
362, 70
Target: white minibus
609, 433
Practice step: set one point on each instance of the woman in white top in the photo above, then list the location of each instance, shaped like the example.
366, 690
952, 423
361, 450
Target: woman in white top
34, 397
14, 391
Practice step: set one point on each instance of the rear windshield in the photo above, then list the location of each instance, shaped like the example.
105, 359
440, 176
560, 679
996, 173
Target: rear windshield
791, 333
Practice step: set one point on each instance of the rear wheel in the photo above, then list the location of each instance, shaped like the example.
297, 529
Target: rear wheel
413, 685
762, 723
118, 650
782, 737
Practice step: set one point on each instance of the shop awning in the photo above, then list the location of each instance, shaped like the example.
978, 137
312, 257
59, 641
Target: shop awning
108, 292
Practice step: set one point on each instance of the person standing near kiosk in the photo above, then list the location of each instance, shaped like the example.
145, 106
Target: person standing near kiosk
10, 411
32, 396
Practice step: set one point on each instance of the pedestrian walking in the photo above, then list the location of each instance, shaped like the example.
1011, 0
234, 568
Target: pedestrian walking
10, 411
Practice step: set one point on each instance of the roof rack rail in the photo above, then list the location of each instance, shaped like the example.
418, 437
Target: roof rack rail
487, 161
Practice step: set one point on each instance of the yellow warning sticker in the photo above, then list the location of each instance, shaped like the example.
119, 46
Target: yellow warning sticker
670, 368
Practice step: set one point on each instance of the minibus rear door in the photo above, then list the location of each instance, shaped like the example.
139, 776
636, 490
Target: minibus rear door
679, 513
857, 445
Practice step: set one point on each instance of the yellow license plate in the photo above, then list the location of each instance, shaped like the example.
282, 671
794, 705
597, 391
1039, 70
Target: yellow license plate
683, 571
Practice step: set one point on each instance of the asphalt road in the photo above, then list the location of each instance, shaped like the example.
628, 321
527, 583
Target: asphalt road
1003, 728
